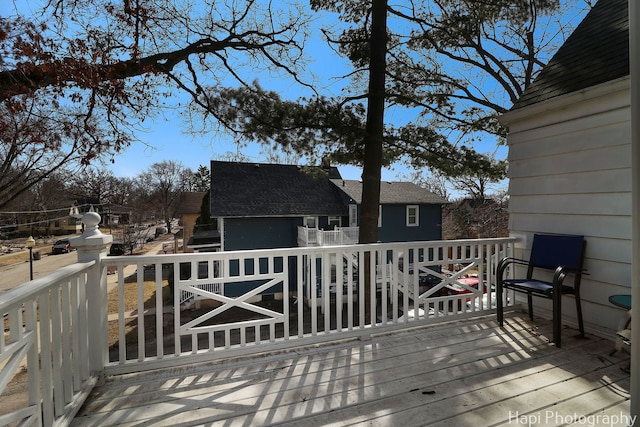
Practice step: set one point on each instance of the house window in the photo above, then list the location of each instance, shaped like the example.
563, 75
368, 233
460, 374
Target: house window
311, 221
379, 215
334, 221
413, 214
353, 215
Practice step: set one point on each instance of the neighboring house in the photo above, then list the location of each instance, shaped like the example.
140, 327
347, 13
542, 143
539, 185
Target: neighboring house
266, 206
54, 221
114, 215
49, 223
570, 157
261, 206
407, 212
189, 205
204, 241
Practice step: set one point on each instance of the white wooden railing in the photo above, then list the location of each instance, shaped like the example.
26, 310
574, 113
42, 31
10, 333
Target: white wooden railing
249, 302
316, 237
46, 336
409, 285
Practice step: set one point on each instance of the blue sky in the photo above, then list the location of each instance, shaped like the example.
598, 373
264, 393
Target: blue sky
169, 143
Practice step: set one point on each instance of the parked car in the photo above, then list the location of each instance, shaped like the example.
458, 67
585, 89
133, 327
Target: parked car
117, 249
458, 289
61, 246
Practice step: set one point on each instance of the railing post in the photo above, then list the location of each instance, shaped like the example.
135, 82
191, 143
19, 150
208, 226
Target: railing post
92, 245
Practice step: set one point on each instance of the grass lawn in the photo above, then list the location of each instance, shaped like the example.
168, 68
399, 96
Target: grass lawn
14, 258
131, 305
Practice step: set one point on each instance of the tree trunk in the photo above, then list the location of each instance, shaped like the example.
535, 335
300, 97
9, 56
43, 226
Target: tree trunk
371, 172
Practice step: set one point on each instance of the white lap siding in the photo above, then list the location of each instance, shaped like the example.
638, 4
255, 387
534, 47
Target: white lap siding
570, 173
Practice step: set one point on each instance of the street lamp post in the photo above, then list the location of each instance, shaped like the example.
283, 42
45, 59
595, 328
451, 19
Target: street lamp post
30, 244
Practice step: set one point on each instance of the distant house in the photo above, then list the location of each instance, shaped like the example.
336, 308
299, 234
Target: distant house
570, 157
407, 211
262, 206
189, 205
60, 220
54, 222
114, 215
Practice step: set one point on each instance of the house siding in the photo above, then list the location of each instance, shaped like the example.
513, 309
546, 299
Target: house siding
260, 233
570, 173
394, 224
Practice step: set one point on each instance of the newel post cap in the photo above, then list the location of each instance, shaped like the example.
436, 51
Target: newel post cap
91, 221
92, 241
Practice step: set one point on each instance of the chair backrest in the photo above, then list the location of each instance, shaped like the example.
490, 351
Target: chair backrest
550, 251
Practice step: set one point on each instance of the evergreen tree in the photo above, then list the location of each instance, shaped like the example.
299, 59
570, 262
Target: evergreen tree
204, 221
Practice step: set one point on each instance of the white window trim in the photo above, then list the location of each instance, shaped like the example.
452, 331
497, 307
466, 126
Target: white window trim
314, 218
353, 215
337, 220
379, 216
417, 216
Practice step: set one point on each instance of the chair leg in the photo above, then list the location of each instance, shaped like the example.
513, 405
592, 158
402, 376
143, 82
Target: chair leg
530, 301
579, 313
557, 318
499, 303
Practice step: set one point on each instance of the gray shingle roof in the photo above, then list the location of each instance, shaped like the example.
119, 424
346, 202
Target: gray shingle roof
391, 192
266, 190
596, 52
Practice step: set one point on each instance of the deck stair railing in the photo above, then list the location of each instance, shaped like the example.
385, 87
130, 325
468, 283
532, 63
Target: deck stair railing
317, 237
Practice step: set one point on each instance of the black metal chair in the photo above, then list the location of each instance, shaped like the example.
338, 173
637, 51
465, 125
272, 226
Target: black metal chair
561, 254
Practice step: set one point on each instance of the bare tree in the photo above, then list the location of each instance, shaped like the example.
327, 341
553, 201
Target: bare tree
92, 182
36, 143
163, 182
435, 182
78, 77
469, 218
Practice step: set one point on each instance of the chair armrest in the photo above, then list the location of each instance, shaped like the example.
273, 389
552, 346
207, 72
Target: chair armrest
562, 271
507, 261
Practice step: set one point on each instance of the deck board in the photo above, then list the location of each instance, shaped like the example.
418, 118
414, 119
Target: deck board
462, 373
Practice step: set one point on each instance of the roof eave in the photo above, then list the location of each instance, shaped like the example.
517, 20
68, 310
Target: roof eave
621, 84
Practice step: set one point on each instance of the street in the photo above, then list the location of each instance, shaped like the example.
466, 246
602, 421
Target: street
17, 274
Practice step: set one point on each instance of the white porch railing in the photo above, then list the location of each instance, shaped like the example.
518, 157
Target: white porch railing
46, 335
316, 237
251, 301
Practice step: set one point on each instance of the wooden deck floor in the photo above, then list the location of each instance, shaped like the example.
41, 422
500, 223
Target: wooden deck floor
466, 373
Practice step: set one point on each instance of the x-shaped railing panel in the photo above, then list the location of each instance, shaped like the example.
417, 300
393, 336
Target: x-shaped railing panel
230, 302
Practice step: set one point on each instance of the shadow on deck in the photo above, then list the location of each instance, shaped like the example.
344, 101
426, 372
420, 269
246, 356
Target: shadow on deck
463, 373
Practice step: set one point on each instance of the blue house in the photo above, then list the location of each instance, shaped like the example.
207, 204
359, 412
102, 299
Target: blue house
264, 206
261, 206
407, 212
268, 206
